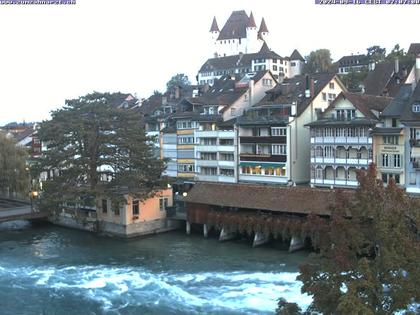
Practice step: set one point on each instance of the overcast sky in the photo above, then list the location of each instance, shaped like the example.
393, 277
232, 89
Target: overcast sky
52, 53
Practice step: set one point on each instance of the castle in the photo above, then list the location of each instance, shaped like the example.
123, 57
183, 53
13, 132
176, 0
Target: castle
238, 35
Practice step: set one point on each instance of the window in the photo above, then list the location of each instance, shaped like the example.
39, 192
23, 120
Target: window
278, 149
208, 156
275, 68
277, 131
268, 82
331, 85
104, 206
163, 203
390, 139
184, 125
208, 141
319, 174
226, 156
293, 64
386, 178
227, 172
135, 207
232, 111
324, 96
394, 122
209, 171
416, 108
385, 160
226, 141
186, 140
396, 160
187, 168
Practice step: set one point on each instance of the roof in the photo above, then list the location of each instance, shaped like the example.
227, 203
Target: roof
272, 198
263, 27
251, 22
293, 90
296, 56
238, 61
122, 99
366, 104
408, 116
353, 60
398, 103
214, 27
149, 106
384, 81
235, 26
23, 134
414, 49
386, 131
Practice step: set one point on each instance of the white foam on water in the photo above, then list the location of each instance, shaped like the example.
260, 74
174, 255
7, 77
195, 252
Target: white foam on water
117, 287
14, 225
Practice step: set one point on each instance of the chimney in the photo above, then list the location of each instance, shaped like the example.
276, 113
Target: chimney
164, 100
251, 92
307, 88
417, 70
312, 87
397, 66
206, 88
177, 92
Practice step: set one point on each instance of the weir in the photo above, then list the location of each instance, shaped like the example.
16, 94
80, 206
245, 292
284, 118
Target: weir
226, 235
260, 239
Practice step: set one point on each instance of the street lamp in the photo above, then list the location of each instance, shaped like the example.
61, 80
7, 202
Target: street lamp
185, 194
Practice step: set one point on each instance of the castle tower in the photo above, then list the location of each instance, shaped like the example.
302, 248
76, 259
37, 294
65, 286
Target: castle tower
214, 34
251, 35
263, 31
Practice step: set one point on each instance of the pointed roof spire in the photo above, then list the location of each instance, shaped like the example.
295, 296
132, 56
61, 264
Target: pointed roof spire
296, 56
263, 27
251, 22
264, 48
214, 27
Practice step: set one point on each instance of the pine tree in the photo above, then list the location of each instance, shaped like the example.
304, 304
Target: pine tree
96, 149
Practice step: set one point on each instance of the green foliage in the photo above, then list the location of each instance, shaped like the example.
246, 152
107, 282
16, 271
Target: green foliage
14, 176
400, 54
157, 93
318, 61
376, 54
178, 79
367, 253
285, 308
354, 79
90, 139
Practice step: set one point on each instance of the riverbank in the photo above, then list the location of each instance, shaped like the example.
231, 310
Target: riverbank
62, 271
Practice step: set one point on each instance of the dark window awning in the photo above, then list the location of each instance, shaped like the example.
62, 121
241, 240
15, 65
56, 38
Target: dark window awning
262, 164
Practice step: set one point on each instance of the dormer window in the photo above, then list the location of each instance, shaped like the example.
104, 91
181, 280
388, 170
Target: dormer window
416, 108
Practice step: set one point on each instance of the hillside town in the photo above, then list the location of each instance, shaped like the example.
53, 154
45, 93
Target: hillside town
256, 121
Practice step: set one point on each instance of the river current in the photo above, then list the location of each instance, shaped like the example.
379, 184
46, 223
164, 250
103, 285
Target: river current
51, 270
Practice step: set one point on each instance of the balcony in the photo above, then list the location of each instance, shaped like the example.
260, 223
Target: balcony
415, 142
344, 161
212, 163
334, 182
342, 140
263, 157
215, 148
216, 178
267, 139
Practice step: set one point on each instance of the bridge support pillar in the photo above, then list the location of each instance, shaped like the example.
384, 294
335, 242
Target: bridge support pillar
205, 230
296, 243
226, 235
259, 239
188, 228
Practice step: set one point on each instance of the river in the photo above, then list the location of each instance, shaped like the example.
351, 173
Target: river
47, 270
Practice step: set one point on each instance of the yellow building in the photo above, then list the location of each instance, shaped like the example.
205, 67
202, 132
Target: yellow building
136, 217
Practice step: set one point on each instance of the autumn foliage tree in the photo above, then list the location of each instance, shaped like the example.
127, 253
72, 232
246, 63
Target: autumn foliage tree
367, 254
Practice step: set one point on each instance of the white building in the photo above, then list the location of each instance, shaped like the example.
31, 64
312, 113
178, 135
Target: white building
341, 140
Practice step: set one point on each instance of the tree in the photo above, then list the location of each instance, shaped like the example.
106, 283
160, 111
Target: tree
376, 54
14, 174
178, 79
285, 308
368, 252
400, 54
96, 149
157, 93
354, 79
318, 61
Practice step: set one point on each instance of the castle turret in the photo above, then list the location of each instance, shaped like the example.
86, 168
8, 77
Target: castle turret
263, 31
214, 29
251, 34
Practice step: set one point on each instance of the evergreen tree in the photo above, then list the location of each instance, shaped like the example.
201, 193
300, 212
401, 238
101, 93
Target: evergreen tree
368, 252
14, 174
95, 149
178, 79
